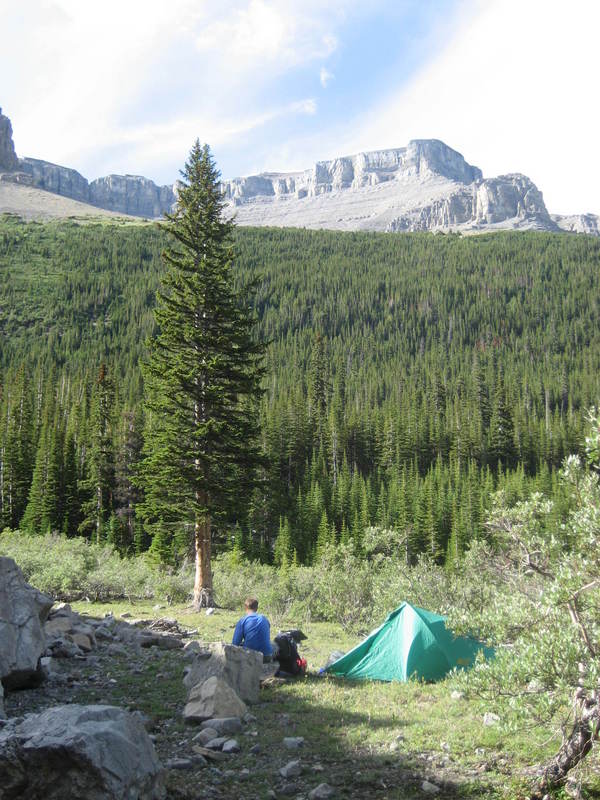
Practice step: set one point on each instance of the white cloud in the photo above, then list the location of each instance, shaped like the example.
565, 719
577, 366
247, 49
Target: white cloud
93, 81
267, 31
325, 76
514, 91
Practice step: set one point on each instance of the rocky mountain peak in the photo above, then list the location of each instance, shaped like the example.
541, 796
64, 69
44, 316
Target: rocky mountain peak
8, 157
424, 186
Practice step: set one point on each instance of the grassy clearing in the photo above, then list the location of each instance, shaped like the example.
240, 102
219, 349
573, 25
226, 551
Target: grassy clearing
368, 739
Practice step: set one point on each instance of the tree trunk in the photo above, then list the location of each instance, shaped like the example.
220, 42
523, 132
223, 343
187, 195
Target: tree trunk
203, 588
574, 749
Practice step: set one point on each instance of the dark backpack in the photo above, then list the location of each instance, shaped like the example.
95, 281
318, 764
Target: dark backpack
288, 656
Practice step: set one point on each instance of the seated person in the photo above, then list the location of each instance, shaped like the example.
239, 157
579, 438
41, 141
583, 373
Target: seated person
253, 630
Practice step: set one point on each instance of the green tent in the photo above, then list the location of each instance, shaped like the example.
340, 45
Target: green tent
411, 642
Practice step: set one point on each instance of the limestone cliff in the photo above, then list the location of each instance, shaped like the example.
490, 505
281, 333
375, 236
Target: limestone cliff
131, 194
425, 186
8, 157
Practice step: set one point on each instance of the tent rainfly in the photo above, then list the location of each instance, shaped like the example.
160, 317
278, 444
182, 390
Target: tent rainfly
411, 642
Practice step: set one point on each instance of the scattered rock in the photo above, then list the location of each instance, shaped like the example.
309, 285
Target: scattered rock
321, 792
231, 746
255, 749
430, 788
99, 752
216, 744
192, 649
489, 719
205, 736
179, 763
293, 742
239, 667
291, 770
223, 725
456, 695
209, 611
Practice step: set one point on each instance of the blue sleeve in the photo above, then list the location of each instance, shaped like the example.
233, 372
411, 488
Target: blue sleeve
238, 634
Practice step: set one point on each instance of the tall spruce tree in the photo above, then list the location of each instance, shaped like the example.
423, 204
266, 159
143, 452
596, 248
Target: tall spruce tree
202, 378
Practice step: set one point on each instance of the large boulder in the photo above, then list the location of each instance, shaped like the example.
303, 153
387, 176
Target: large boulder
91, 752
213, 698
23, 611
239, 667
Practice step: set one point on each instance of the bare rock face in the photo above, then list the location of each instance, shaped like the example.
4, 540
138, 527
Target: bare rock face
239, 667
509, 201
420, 160
578, 223
131, 194
96, 752
425, 186
8, 157
23, 611
54, 178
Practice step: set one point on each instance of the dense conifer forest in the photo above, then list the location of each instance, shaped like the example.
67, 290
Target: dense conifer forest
409, 376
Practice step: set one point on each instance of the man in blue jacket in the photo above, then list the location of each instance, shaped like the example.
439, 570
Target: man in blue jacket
253, 630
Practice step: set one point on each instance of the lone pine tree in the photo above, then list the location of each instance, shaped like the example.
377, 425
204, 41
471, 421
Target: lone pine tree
202, 379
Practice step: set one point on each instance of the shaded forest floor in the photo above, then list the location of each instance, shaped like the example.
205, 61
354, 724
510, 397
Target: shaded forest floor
367, 740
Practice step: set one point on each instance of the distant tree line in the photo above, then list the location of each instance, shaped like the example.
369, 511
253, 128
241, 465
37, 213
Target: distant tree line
408, 377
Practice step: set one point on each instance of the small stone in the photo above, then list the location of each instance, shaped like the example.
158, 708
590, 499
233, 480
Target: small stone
293, 742
216, 744
179, 763
244, 774
124, 615
288, 789
249, 718
271, 795
291, 770
456, 695
205, 735
430, 788
489, 719
223, 725
255, 749
209, 611
321, 792
230, 746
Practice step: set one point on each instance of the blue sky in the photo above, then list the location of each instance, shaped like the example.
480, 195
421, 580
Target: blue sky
127, 85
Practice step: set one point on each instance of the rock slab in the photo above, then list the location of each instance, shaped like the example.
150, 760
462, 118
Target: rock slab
91, 752
239, 667
213, 698
23, 611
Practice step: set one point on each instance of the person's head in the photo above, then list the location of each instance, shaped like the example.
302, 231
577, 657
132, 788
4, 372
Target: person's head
251, 605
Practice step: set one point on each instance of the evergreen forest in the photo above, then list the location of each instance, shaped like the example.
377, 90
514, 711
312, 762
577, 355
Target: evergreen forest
408, 378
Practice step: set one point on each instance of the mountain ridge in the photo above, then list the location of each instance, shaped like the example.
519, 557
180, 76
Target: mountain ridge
424, 186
